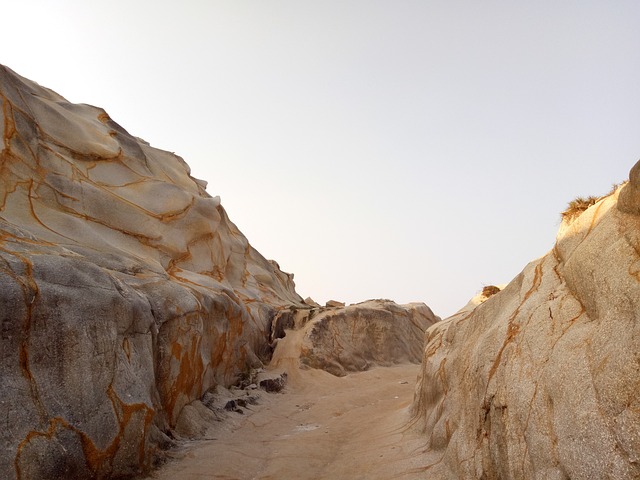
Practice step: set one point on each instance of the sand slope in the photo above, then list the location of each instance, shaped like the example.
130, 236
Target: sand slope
322, 426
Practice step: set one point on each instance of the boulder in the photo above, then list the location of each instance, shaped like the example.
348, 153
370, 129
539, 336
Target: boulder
311, 302
334, 304
341, 340
272, 382
541, 380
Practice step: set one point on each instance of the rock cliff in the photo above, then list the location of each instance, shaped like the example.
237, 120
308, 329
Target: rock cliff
541, 380
125, 291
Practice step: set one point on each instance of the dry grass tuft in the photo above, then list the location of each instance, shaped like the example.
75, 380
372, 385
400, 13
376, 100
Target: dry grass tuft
489, 291
577, 206
580, 204
615, 187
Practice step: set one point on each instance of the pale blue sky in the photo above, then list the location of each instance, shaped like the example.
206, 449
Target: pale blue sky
413, 150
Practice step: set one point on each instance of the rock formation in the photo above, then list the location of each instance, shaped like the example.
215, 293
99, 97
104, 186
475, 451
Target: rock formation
541, 380
125, 291
343, 339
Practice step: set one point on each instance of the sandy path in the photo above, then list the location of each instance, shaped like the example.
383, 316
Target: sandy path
322, 427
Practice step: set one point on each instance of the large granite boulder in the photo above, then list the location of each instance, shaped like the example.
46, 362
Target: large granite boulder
541, 380
343, 339
125, 291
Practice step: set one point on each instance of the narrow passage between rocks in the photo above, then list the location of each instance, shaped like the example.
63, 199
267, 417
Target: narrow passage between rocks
320, 427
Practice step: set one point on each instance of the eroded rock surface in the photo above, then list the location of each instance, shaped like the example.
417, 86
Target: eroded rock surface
541, 380
354, 338
126, 292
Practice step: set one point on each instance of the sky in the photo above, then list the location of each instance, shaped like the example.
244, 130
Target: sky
410, 150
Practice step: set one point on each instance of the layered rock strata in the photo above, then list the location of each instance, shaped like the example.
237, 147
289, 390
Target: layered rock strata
541, 380
126, 292
343, 339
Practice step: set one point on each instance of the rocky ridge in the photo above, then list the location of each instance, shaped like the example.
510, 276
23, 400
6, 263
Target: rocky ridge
126, 291
541, 380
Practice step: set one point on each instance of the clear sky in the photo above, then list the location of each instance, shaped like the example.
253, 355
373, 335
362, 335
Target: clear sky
412, 150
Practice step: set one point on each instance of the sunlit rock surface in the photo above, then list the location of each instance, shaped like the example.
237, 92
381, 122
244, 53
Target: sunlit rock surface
125, 291
354, 338
541, 380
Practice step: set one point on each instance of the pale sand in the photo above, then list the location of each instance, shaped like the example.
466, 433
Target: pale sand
321, 427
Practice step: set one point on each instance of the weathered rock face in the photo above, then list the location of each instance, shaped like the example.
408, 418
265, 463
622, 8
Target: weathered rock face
125, 291
349, 339
542, 379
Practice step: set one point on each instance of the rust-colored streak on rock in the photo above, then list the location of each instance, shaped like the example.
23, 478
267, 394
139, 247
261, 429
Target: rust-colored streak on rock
9, 124
442, 375
124, 413
100, 461
537, 278
174, 215
54, 424
634, 266
236, 328
112, 196
432, 346
218, 350
189, 378
174, 270
10, 182
143, 239
30, 196
512, 327
176, 350
104, 117
595, 217
30, 292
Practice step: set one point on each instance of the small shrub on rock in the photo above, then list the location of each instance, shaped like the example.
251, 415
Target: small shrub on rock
490, 290
577, 206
